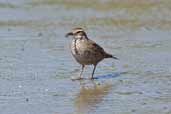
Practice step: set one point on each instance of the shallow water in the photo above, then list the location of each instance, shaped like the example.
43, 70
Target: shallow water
36, 65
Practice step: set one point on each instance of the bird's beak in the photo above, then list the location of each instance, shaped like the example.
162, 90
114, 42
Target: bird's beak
69, 34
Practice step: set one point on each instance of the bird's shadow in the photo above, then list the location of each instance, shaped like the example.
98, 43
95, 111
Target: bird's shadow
104, 76
107, 76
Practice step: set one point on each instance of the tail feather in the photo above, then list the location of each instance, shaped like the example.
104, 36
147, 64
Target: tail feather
110, 56
115, 57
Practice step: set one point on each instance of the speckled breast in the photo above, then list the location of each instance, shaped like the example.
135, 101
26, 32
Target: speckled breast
82, 54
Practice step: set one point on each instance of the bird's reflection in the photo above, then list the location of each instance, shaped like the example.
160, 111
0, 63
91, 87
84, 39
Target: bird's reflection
90, 96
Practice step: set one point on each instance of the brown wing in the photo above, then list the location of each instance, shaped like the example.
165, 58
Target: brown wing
96, 48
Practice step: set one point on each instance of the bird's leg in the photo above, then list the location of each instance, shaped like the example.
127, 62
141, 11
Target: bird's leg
82, 69
93, 71
80, 77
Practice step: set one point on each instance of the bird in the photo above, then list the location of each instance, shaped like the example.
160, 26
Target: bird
86, 51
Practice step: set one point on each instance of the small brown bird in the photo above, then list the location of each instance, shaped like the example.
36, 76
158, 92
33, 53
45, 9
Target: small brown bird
86, 51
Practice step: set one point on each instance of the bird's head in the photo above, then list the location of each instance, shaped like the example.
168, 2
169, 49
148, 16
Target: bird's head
77, 33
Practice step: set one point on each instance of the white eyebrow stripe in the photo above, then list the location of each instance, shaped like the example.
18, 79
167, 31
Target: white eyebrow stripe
78, 31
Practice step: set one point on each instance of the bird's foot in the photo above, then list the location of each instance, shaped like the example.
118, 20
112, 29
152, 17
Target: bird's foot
76, 78
92, 78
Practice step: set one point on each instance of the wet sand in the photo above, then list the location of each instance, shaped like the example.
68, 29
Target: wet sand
36, 65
